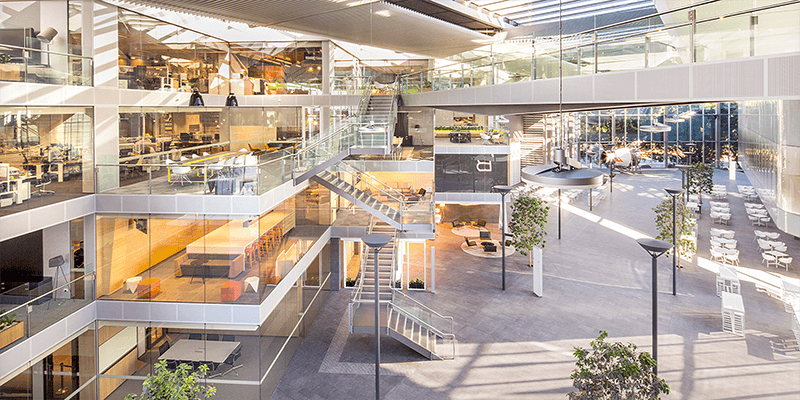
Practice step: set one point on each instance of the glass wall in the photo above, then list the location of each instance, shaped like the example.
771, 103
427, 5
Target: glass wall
69, 372
473, 173
244, 361
156, 55
705, 132
46, 156
770, 150
207, 258
205, 150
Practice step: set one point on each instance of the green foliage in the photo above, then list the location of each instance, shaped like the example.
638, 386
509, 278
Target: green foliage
700, 178
5, 58
615, 371
181, 384
6, 320
416, 284
349, 282
685, 223
528, 225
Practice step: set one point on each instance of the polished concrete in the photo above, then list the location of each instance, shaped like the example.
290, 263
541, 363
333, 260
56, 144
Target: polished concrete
515, 345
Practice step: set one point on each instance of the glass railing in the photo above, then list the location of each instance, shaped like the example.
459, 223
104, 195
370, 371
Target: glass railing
688, 34
23, 64
30, 308
221, 173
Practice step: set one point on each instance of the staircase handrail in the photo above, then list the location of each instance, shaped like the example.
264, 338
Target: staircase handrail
320, 141
401, 201
424, 308
426, 325
362, 269
366, 92
398, 193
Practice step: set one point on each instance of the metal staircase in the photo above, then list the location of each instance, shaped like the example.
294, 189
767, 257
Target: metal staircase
401, 317
368, 132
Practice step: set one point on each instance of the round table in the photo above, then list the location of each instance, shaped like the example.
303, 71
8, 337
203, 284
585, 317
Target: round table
477, 250
467, 231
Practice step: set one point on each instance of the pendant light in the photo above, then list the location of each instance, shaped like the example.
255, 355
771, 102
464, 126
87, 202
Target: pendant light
196, 99
231, 101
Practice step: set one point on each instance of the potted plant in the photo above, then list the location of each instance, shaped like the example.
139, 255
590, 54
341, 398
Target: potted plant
700, 179
684, 225
528, 227
416, 284
349, 282
10, 330
615, 371
180, 384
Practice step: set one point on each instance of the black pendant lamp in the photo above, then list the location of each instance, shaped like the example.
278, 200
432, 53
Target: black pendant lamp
196, 99
231, 101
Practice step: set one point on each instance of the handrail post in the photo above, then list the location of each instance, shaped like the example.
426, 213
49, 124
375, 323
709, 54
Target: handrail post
693, 18
596, 55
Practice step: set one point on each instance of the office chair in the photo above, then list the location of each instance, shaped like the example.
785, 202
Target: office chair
40, 184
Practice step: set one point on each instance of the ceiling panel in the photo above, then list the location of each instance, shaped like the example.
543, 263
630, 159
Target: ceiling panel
526, 12
372, 23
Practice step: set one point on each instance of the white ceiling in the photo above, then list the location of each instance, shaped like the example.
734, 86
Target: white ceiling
364, 22
527, 12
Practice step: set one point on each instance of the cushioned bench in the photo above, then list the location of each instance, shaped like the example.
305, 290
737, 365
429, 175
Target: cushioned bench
148, 288
231, 290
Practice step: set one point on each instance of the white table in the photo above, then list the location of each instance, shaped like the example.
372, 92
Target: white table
732, 313
727, 280
200, 350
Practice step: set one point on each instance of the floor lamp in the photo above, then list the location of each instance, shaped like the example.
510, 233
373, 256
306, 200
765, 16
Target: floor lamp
655, 248
376, 241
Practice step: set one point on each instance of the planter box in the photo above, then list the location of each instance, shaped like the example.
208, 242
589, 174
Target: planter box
11, 334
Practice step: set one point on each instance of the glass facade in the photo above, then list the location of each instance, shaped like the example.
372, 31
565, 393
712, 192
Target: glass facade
770, 151
46, 156
208, 258
709, 132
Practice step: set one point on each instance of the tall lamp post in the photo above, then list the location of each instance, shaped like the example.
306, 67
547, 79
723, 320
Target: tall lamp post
376, 241
503, 190
674, 193
655, 248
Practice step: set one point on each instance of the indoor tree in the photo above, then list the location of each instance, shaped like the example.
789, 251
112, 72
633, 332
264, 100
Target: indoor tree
180, 384
700, 179
527, 225
615, 371
684, 225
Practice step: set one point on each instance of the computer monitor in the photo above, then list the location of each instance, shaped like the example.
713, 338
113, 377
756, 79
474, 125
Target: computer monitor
5, 172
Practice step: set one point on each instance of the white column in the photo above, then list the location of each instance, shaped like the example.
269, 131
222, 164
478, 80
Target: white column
433, 269
106, 83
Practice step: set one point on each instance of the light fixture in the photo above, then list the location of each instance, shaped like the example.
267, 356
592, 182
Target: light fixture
501, 119
655, 248
687, 114
231, 101
47, 35
196, 99
655, 128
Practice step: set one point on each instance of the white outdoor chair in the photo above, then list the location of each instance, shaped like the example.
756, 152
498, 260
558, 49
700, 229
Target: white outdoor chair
773, 235
754, 220
763, 245
205, 154
182, 174
732, 257
487, 139
781, 247
717, 255
784, 262
760, 235
730, 245
184, 158
769, 259
764, 221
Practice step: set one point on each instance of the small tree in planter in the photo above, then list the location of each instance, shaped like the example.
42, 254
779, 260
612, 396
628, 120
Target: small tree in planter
180, 384
700, 179
684, 224
615, 371
528, 220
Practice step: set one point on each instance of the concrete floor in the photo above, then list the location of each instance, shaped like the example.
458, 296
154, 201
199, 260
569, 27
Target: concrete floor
513, 345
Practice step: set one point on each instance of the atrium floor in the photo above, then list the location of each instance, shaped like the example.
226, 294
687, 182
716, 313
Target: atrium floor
515, 345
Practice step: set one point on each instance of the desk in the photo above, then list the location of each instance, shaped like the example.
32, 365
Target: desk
732, 313
200, 350
460, 137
